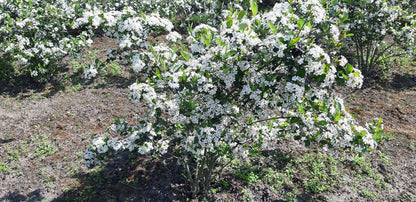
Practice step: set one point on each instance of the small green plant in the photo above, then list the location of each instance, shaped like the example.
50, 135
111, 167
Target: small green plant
33, 96
247, 195
43, 146
78, 67
320, 172
4, 167
96, 176
385, 159
112, 69
291, 196
276, 179
74, 88
368, 194
13, 155
412, 145
248, 172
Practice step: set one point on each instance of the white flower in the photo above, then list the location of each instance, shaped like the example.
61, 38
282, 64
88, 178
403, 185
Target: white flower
90, 73
89, 42
154, 19
343, 61
335, 32
174, 37
145, 148
103, 149
355, 79
201, 27
115, 144
142, 91
98, 142
137, 63
34, 73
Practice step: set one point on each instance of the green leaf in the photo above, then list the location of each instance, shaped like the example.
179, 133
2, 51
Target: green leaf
231, 52
250, 120
378, 136
301, 23
229, 22
349, 68
242, 26
272, 27
356, 74
158, 73
294, 41
309, 25
185, 56
337, 117
206, 40
300, 108
241, 15
321, 123
254, 7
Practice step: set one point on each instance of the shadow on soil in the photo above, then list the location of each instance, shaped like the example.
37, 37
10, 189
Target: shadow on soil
130, 178
397, 82
18, 196
402, 82
140, 178
24, 85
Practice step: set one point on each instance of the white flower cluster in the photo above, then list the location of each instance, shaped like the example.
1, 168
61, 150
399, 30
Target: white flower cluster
137, 64
143, 92
174, 37
90, 72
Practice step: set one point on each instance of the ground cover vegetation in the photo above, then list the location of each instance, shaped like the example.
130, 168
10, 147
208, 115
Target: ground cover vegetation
220, 83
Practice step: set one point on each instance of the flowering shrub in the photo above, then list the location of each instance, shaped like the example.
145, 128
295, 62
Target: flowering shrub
246, 82
381, 30
35, 34
240, 78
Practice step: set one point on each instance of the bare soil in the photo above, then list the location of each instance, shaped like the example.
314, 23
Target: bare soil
44, 130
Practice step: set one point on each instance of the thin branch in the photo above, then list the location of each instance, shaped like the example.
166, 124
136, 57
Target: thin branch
269, 119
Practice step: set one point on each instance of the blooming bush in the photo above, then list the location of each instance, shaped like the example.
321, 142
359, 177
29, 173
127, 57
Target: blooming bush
35, 34
241, 78
380, 30
246, 82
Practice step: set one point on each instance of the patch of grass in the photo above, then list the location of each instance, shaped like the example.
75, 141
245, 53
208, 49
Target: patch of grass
24, 147
364, 177
276, 179
247, 195
74, 88
385, 159
112, 69
320, 172
369, 194
13, 155
291, 196
4, 167
43, 146
249, 172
